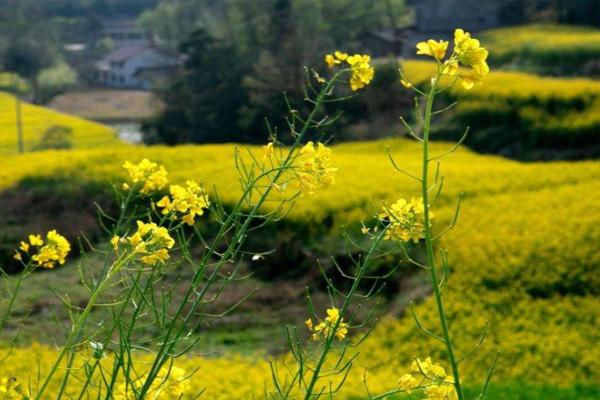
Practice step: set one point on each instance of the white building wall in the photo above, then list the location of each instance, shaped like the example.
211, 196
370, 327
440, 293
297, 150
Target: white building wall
122, 74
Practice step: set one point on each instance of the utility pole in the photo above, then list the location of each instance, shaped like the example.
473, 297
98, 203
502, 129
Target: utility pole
20, 146
18, 119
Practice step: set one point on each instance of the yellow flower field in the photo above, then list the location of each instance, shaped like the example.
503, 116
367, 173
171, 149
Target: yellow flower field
546, 112
524, 255
36, 120
551, 47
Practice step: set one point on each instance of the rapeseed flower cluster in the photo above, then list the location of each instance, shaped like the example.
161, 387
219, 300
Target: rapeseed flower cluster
55, 250
324, 328
150, 175
151, 242
9, 389
185, 202
406, 220
429, 377
362, 71
172, 382
313, 167
467, 52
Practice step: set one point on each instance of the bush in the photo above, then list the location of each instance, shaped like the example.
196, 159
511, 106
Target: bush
56, 137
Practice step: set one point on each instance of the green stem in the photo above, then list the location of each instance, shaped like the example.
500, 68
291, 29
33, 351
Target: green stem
13, 297
347, 301
70, 340
79, 324
168, 344
429, 245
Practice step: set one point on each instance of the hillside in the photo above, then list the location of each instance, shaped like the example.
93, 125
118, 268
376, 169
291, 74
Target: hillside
524, 254
521, 115
545, 48
36, 120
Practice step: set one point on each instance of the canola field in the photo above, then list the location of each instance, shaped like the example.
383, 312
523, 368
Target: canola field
36, 120
545, 48
524, 256
538, 113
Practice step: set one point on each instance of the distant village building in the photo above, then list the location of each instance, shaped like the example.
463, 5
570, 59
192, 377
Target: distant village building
443, 16
138, 65
437, 19
382, 42
124, 32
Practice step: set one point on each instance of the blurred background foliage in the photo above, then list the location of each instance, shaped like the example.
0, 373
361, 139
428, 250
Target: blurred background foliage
238, 57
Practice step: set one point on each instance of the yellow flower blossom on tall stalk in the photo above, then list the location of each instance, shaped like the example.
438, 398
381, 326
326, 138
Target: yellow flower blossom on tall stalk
189, 202
432, 48
150, 175
313, 167
467, 52
151, 242
406, 220
268, 151
324, 328
362, 71
54, 251
413, 220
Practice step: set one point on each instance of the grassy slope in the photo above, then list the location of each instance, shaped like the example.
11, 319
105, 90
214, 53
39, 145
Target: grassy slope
36, 119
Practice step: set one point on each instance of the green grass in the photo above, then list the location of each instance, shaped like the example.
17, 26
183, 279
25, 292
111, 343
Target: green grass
523, 391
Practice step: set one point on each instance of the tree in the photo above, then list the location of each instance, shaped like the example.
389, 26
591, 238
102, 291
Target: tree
263, 46
29, 42
203, 100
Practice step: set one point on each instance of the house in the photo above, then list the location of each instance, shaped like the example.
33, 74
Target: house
382, 42
438, 19
136, 65
440, 16
124, 32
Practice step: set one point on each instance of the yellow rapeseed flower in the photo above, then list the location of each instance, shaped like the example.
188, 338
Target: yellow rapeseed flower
406, 220
268, 151
432, 48
441, 392
151, 242
24, 247
467, 52
362, 72
340, 55
324, 328
115, 242
151, 176
470, 54
407, 382
185, 202
35, 240
313, 167
47, 255
331, 61
9, 389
